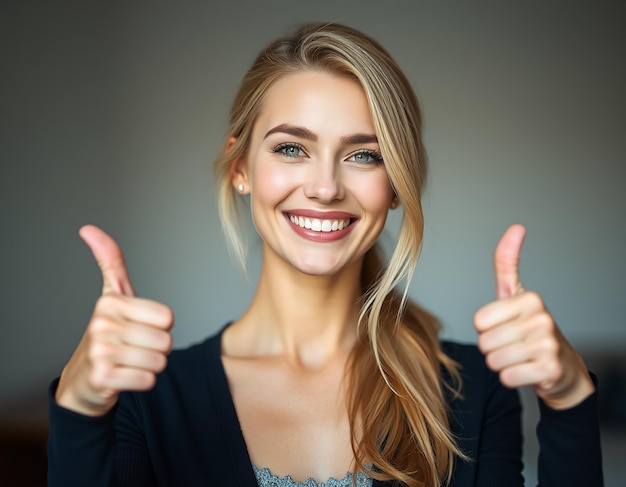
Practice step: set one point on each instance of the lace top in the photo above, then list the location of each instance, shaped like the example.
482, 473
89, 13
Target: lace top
266, 479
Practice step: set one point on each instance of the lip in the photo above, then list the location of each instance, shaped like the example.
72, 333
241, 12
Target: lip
318, 236
322, 215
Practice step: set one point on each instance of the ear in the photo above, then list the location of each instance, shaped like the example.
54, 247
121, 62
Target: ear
395, 201
238, 171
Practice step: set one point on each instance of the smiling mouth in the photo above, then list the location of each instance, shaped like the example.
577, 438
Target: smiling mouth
320, 225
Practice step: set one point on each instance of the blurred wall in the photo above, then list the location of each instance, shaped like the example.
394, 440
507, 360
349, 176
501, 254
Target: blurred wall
111, 113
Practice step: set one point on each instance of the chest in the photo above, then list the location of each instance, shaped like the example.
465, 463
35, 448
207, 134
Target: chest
293, 422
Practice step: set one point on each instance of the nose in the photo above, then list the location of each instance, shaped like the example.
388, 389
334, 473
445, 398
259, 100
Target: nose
323, 181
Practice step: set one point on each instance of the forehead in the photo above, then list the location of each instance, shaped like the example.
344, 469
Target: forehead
323, 102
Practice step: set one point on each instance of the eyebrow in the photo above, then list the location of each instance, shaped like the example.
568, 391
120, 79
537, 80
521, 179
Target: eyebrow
285, 128
305, 133
359, 139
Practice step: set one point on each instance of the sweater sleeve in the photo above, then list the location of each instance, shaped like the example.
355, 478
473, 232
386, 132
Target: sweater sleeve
500, 445
103, 451
486, 420
569, 445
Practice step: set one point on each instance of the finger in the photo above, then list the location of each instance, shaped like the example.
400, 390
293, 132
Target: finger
110, 259
500, 336
130, 309
124, 379
147, 337
139, 358
531, 373
109, 358
497, 313
506, 261
541, 350
505, 310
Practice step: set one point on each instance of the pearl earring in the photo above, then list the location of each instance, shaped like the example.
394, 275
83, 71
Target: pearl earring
240, 188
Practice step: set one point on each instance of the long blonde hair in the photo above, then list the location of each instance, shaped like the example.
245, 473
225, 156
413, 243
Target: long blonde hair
399, 419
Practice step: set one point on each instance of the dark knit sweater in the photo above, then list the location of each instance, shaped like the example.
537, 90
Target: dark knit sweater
185, 432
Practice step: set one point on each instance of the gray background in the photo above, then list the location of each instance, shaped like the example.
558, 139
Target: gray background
112, 112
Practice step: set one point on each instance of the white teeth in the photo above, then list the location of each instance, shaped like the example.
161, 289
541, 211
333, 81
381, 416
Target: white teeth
318, 225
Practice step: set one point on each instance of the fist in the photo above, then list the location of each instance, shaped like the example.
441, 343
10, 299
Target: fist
126, 342
520, 339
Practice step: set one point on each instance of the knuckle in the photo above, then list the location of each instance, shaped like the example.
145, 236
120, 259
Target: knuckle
483, 343
166, 315
145, 381
550, 346
108, 301
98, 352
100, 325
507, 378
476, 319
554, 370
169, 313
167, 342
492, 361
160, 362
544, 320
534, 299
98, 377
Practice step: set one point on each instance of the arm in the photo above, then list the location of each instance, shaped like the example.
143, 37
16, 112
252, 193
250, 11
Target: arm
99, 451
499, 457
487, 422
80, 448
123, 348
569, 442
525, 347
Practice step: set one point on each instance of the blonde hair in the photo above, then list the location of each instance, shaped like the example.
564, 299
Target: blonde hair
399, 421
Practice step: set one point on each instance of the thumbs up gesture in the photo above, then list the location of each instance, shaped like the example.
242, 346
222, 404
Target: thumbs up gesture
521, 341
126, 342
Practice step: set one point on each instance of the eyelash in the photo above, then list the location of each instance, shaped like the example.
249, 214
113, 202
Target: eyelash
377, 158
281, 148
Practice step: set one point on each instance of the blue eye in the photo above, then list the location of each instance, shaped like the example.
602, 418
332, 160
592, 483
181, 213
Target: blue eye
366, 157
289, 150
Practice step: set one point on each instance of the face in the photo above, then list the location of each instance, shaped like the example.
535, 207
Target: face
319, 191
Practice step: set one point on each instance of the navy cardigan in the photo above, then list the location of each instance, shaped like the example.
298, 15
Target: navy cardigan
185, 432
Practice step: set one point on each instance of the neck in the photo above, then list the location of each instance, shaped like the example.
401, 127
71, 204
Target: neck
309, 320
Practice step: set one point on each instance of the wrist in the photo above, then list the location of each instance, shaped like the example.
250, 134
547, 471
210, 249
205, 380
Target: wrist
66, 397
581, 389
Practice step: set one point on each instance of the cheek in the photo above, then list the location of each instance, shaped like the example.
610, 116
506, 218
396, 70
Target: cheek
271, 180
377, 194
270, 185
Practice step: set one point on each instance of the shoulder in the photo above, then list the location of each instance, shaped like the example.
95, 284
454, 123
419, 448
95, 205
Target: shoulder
480, 385
463, 352
471, 362
195, 353
484, 409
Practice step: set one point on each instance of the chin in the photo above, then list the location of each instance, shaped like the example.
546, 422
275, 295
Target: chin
318, 270
317, 266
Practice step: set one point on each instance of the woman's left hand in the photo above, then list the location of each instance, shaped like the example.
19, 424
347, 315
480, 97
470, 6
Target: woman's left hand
521, 341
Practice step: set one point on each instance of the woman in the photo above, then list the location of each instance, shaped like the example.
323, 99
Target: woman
330, 373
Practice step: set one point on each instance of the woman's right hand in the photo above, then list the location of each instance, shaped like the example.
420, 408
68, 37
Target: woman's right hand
126, 342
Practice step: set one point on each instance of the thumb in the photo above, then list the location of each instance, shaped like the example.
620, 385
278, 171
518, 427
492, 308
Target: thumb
110, 259
506, 261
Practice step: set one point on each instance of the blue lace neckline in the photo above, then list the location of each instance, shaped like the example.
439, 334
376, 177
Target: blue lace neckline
265, 478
